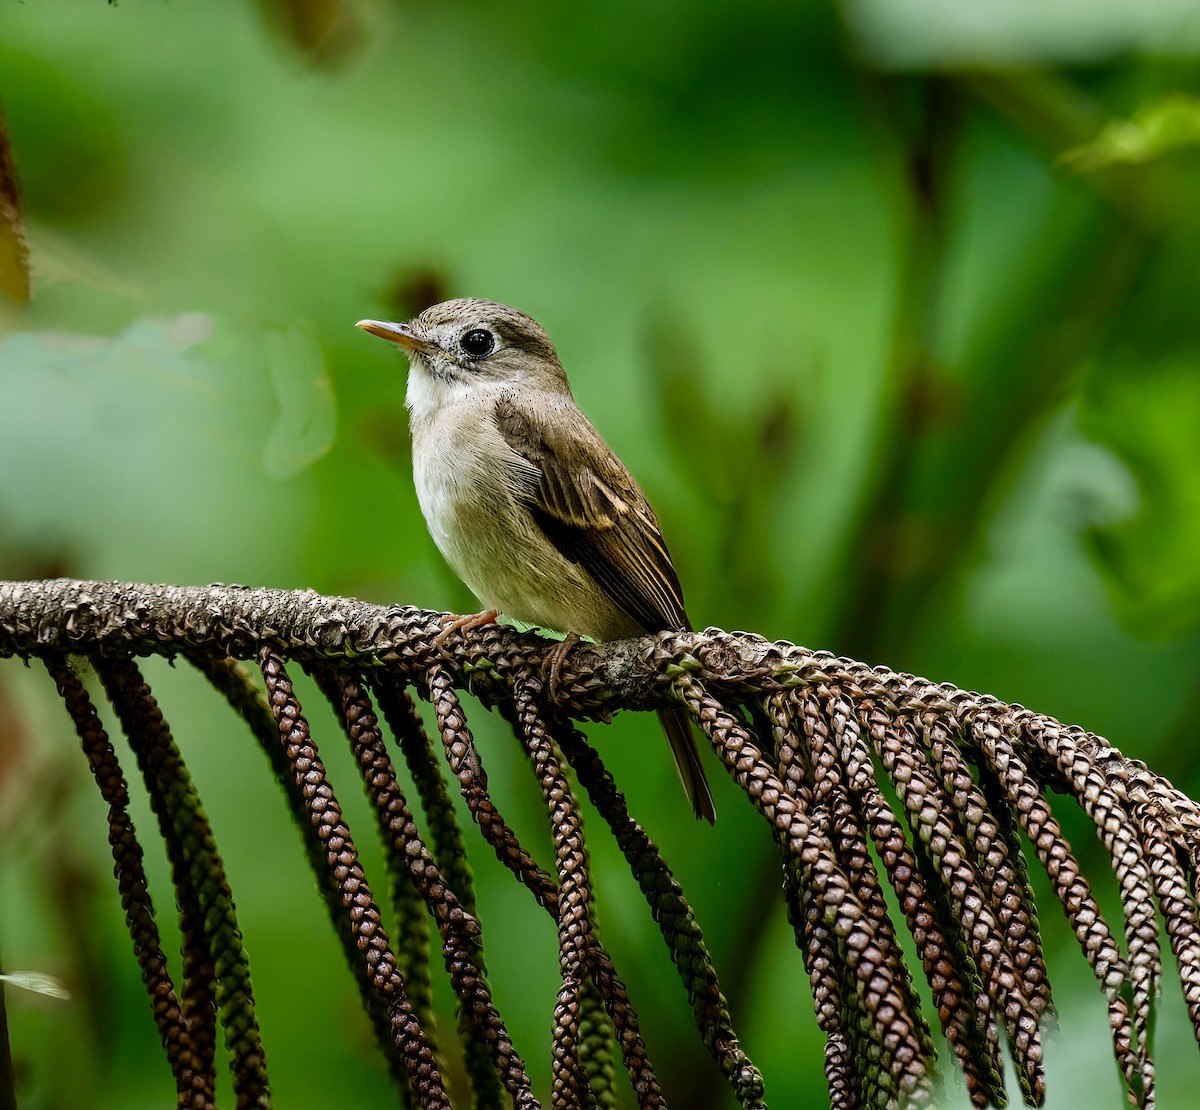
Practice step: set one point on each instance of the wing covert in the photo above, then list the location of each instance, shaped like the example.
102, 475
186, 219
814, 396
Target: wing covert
594, 513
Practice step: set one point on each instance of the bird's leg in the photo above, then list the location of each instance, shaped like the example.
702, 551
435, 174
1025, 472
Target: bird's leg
554, 660
467, 622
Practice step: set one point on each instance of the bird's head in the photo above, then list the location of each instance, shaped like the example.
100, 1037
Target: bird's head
457, 346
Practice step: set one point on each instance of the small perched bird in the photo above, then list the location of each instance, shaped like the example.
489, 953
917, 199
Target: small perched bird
529, 506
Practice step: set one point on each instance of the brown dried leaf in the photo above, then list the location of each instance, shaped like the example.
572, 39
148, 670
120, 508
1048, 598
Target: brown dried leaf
14, 252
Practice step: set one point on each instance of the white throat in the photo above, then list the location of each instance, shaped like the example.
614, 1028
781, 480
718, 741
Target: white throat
429, 393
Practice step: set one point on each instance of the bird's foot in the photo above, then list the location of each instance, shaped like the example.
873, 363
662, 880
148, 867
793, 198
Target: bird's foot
467, 622
554, 660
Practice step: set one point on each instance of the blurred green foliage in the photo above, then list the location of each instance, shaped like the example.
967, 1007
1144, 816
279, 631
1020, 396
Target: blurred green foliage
894, 315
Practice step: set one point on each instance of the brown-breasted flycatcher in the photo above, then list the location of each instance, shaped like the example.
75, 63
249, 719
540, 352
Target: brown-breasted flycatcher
528, 504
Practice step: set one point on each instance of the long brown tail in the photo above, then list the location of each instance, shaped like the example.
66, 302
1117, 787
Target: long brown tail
687, 762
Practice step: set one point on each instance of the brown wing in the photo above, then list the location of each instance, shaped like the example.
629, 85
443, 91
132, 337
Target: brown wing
595, 514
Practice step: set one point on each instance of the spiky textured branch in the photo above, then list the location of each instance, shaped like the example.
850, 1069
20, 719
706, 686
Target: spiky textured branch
818, 744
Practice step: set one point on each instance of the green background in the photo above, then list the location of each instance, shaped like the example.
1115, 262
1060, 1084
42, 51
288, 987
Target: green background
893, 312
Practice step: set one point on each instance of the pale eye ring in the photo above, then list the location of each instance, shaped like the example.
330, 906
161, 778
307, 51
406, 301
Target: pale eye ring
478, 343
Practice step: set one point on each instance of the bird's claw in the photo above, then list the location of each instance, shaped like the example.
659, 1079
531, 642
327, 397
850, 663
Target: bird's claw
466, 622
555, 657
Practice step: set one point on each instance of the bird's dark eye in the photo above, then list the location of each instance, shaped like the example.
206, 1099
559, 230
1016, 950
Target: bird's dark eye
478, 343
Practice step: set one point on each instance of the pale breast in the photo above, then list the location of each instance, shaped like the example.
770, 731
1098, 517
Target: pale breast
490, 540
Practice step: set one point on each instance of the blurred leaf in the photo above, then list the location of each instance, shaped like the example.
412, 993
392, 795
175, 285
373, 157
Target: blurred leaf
1149, 415
326, 32
60, 260
37, 982
1160, 127
905, 33
153, 343
305, 428
14, 253
139, 450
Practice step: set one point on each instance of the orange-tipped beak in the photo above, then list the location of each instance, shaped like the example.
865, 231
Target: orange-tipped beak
400, 334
